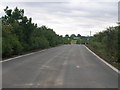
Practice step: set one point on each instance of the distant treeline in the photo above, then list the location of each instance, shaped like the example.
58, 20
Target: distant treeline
20, 34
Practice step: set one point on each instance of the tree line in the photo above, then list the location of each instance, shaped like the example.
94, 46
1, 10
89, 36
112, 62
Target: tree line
107, 44
20, 34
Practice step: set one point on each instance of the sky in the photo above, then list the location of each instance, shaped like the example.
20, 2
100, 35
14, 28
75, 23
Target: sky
69, 16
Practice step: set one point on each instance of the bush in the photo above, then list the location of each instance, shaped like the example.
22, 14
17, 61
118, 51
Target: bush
11, 45
21, 35
78, 42
106, 42
39, 42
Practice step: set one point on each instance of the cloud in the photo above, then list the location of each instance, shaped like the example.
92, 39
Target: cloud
71, 1
71, 16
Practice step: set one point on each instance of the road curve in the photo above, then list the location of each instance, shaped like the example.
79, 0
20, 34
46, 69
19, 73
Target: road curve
67, 66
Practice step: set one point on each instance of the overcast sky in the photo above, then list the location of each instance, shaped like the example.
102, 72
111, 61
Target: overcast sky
69, 16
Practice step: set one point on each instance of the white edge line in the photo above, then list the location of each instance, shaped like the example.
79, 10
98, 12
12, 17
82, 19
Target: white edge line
25, 55
22, 56
112, 67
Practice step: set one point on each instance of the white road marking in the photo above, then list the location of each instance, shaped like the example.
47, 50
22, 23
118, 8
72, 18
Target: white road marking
77, 66
22, 56
25, 55
115, 69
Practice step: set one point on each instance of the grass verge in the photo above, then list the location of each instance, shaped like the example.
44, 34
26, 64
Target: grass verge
105, 57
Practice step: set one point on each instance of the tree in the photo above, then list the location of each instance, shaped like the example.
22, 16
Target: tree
119, 44
106, 43
20, 34
79, 35
72, 36
67, 36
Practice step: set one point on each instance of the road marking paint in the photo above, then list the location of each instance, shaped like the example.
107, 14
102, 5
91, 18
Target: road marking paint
22, 56
77, 66
112, 67
25, 55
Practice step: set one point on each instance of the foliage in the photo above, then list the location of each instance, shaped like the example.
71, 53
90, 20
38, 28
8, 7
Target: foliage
78, 41
73, 41
106, 42
72, 36
119, 44
19, 34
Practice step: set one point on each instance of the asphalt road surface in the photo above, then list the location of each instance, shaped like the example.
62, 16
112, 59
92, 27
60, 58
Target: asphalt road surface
67, 66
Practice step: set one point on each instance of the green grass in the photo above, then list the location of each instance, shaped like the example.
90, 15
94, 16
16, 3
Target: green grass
103, 54
73, 41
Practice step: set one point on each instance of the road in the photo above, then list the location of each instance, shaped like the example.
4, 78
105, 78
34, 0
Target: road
67, 66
